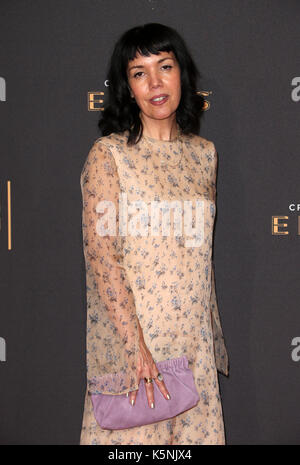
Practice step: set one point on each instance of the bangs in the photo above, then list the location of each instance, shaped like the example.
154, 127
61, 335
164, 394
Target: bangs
151, 39
146, 49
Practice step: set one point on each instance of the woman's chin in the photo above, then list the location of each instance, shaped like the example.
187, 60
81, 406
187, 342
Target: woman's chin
162, 114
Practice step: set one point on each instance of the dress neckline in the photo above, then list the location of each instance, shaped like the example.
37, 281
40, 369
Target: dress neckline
161, 141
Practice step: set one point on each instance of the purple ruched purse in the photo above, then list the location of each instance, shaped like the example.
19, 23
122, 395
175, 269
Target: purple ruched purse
115, 411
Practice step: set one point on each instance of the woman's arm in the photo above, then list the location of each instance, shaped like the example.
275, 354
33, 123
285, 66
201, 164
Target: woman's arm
221, 355
117, 329
220, 350
100, 183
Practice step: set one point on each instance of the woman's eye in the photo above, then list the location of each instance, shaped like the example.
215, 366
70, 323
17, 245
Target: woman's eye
137, 74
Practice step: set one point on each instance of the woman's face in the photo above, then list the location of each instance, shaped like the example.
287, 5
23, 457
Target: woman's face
155, 76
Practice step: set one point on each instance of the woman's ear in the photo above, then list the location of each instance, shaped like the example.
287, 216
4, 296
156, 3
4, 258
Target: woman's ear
130, 91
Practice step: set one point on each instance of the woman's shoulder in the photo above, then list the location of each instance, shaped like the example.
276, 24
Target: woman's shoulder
114, 141
200, 143
101, 152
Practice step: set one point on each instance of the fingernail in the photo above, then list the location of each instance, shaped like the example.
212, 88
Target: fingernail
168, 396
127, 394
152, 404
132, 402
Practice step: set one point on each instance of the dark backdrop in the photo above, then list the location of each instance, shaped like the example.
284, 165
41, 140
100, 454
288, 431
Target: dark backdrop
53, 53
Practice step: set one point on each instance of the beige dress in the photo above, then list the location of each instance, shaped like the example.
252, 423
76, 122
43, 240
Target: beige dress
147, 221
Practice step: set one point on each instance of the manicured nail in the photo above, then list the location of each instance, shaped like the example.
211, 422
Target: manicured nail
168, 396
127, 394
132, 402
152, 404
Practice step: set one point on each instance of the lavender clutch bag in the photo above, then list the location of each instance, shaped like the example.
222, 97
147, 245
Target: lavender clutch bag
116, 412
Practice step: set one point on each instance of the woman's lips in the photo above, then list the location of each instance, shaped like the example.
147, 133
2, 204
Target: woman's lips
160, 102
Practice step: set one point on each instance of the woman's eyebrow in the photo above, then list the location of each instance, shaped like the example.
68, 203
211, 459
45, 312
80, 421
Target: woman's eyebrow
142, 66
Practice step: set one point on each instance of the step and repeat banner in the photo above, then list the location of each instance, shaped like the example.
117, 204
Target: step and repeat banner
53, 81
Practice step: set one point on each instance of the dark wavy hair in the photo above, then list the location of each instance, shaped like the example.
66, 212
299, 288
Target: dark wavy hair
121, 112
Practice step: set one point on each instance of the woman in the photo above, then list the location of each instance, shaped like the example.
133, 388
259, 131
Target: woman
151, 297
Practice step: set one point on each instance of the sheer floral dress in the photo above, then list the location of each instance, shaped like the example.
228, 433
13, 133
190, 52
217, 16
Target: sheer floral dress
147, 224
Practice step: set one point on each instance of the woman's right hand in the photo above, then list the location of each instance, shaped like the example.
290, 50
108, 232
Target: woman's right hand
146, 368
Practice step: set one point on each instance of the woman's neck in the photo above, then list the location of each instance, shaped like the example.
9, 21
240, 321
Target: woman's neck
160, 129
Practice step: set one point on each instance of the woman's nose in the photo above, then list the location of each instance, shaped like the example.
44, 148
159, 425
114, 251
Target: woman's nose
155, 80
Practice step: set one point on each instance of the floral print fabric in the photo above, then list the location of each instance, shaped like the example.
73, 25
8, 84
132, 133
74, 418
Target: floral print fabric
156, 275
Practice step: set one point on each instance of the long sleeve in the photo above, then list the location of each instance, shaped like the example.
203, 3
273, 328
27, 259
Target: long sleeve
220, 350
221, 355
112, 323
